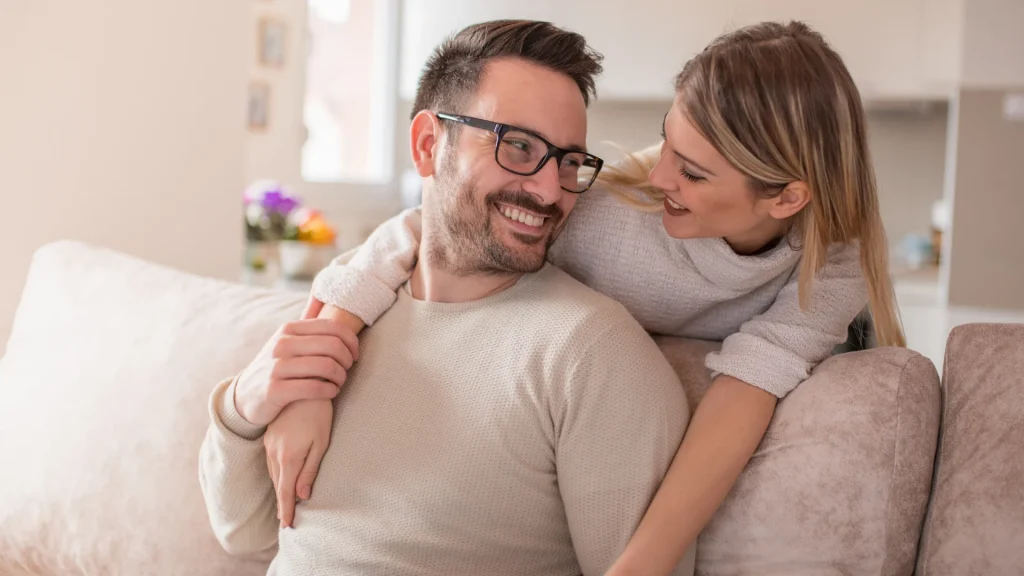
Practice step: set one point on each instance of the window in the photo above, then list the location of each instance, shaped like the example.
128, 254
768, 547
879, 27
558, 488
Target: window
351, 78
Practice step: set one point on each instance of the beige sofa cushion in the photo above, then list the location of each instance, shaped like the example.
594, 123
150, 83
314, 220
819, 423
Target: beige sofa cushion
976, 518
841, 481
103, 397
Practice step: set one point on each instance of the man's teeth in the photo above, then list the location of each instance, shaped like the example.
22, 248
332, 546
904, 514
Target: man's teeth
528, 219
673, 204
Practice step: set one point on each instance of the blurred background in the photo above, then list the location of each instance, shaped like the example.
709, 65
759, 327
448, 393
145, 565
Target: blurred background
251, 140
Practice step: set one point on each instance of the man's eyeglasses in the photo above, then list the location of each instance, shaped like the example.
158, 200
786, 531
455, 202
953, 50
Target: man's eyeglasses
523, 152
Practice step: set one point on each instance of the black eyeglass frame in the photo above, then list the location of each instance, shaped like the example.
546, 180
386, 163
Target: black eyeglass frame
553, 151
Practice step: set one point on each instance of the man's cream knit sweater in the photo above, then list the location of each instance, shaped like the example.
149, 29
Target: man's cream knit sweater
524, 433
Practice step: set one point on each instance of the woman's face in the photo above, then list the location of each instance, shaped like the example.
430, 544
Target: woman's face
706, 197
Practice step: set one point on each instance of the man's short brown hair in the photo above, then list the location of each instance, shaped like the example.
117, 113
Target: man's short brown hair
452, 72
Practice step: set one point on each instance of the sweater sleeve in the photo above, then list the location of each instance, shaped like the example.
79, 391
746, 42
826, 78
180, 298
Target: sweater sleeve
236, 486
618, 428
777, 350
364, 281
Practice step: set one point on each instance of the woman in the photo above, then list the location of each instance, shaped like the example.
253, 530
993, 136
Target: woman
755, 222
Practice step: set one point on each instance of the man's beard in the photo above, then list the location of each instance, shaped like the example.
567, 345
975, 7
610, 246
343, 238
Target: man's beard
470, 245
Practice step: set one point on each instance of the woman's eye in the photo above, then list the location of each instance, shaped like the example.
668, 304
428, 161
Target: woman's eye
690, 177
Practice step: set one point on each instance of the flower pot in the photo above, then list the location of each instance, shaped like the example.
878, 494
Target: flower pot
302, 260
261, 266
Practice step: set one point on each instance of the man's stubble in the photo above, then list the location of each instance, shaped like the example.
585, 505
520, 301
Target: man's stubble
469, 244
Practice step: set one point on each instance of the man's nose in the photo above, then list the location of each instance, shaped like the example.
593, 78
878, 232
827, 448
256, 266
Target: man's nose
545, 183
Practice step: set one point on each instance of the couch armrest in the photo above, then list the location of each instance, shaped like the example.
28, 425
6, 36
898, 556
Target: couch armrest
975, 520
841, 480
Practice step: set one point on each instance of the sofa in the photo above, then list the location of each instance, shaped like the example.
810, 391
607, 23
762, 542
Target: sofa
871, 467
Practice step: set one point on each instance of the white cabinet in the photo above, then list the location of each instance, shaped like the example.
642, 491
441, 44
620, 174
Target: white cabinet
895, 49
645, 42
882, 42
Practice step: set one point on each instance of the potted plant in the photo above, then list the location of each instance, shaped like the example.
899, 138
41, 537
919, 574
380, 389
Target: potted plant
308, 244
267, 206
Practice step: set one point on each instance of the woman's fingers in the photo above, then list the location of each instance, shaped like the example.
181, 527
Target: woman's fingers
310, 468
329, 346
289, 473
305, 368
283, 392
324, 327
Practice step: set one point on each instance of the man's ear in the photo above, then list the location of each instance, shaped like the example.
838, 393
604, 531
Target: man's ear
791, 201
424, 138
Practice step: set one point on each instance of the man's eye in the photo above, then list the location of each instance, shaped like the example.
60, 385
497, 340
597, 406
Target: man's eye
519, 144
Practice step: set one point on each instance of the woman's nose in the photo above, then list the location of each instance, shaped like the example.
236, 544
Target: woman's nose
661, 175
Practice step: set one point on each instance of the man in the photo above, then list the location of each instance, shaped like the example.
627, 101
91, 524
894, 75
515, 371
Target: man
502, 417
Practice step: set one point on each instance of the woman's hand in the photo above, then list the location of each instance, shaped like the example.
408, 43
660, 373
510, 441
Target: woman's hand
296, 442
297, 439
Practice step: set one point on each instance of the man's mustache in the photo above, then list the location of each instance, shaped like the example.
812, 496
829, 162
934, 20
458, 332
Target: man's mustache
525, 201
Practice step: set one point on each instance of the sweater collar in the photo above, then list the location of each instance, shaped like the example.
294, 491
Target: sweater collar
716, 262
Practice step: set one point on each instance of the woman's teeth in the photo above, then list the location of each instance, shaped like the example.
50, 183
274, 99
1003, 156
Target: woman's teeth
528, 219
673, 204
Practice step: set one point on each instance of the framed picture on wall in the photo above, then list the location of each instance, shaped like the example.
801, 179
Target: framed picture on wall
259, 106
271, 42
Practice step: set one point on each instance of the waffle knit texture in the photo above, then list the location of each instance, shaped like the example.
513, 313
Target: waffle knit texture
523, 433
693, 288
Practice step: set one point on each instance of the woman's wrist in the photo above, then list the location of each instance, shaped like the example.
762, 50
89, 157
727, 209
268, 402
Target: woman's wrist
344, 317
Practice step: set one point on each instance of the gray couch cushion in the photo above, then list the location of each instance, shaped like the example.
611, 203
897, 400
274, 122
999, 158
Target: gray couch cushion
976, 517
840, 483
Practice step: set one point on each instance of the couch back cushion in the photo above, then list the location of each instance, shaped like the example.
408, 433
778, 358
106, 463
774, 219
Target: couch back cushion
103, 396
976, 517
840, 483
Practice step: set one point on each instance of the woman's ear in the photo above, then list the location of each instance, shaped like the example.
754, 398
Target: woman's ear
424, 137
791, 201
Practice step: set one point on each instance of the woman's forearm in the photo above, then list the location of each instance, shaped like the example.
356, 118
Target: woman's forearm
365, 280
723, 435
346, 318
302, 432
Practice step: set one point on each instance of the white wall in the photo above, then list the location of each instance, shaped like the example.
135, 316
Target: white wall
277, 152
993, 45
122, 125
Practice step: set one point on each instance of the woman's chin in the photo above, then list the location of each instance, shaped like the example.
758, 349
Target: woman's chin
680, 227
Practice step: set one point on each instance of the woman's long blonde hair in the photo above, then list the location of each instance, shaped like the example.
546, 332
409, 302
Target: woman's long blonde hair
779, 104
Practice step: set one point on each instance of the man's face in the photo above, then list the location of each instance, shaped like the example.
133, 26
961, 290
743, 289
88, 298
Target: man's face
494, 221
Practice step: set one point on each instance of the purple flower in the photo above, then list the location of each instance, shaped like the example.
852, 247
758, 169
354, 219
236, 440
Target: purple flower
271, 196
278, 201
